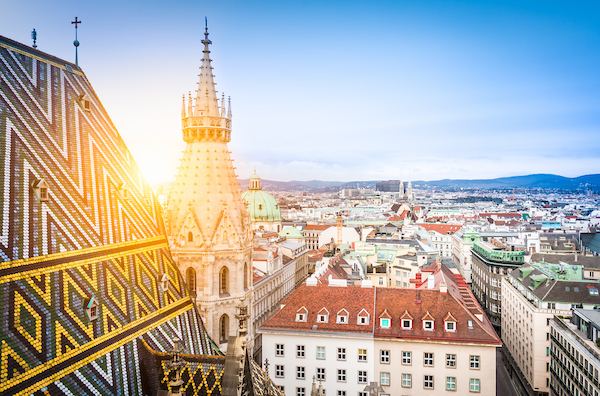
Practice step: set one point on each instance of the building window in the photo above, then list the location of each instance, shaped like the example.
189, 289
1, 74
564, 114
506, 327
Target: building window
428, 325
474, 385
363, 394
406, 358
278, 349
300, 351
91, 309
245, 276
321, 373
470, 324
406, 380
451, 383
450, 326
341, 375
300, 391
279, 371
362, 377
428, 382
342, 317
363, 317
300, 373
224, 328
384, 379
341, 354
406, 324
224, 281
385, 323
384, 356
474, 362
301, 314
190, 237
281, 388
450, 360
341, 393
320, 352
428, 359
323, 316
362, 355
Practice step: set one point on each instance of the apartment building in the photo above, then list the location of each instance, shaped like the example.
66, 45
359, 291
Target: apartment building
428, 340
532, 295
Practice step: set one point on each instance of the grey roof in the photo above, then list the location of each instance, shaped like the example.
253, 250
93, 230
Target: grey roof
590, 314
563, 291
586, 261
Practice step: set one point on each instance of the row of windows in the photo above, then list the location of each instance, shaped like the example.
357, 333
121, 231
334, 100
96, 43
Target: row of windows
428, 382
427, 324
342, 316
301, 373
301, 352
384, 356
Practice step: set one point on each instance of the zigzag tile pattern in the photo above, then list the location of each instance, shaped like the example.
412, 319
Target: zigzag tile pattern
99, 234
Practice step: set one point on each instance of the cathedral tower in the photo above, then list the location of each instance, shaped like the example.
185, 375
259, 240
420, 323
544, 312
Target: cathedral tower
207, 223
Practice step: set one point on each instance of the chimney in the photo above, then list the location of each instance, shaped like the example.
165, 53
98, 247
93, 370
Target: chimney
430, 282
443, 288
575, 257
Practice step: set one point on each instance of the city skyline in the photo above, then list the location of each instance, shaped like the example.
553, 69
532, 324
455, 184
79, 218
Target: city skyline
346, 91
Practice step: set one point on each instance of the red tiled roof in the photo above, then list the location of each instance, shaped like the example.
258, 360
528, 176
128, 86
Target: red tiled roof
433, 306
441, 228
352, 298
317, 227
393, 218
457, 304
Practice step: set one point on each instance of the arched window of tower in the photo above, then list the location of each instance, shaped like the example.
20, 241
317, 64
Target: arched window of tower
191, 281
224, 328
190, 237
224, 281
245, 276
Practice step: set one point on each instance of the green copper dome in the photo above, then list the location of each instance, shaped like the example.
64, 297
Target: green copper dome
291, 233
261, 205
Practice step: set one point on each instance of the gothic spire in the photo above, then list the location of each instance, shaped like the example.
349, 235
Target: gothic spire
206, 99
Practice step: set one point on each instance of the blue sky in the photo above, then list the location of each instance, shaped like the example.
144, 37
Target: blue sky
352, 90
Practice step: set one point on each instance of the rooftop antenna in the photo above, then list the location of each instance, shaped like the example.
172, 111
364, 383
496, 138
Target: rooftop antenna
76, 43
34, 37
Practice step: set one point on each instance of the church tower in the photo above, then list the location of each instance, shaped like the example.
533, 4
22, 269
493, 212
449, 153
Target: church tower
207, 222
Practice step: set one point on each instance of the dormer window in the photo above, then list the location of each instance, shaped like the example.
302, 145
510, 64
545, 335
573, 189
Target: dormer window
428, 325
363, 317
40, 190
84, 102
470, 324
123, 191
323, 316
406, 321
342, 317
91, 309
385, 320
164, 282
301, 314
428, 322
450, 323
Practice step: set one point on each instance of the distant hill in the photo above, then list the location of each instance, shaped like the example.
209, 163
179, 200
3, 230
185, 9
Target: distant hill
541, 180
